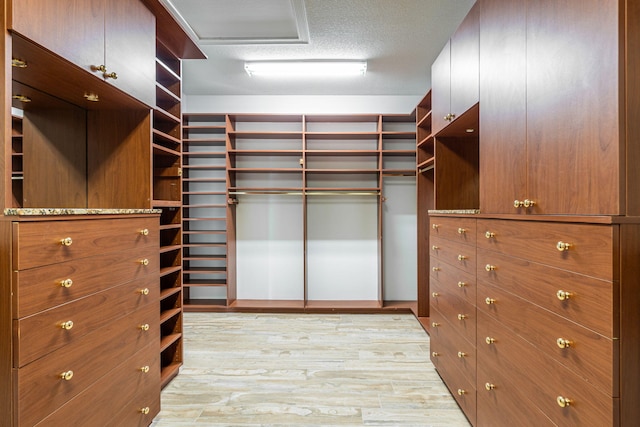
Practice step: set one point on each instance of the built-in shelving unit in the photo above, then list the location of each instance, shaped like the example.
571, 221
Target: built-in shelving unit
167, 195
17, 175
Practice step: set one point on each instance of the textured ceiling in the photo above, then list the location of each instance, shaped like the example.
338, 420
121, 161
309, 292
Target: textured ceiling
399, 39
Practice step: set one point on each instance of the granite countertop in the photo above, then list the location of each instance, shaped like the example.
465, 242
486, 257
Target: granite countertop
454, 211
77, 211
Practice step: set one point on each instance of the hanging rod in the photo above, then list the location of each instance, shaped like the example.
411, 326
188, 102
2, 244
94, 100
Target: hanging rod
428, 168
342, 193
285, 193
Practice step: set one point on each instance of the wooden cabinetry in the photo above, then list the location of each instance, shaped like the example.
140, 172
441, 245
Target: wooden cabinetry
62, 347
455, 75
112, 39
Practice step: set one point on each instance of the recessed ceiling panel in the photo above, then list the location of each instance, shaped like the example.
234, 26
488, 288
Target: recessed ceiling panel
242, 21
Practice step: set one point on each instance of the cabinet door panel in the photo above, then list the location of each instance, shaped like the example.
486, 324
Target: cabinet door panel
441, 89
465, 74
73, 29
503, 105
130, 40
573, 103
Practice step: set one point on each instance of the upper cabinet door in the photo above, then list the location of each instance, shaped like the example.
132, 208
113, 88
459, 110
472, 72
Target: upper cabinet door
73, 29
503, 115
130, 40
441, 90
573, 106
465, 75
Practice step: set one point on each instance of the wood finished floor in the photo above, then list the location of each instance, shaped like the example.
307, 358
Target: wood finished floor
306, 370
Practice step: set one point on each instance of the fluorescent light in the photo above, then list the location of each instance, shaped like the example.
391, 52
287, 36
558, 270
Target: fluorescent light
306, 68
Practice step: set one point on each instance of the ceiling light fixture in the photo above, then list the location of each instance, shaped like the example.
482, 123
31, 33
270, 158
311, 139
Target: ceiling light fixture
306, 68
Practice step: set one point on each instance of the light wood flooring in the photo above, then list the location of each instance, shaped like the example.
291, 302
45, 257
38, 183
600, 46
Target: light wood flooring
306, 370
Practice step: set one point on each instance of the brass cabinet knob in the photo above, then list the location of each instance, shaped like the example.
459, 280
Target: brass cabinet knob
489, 386
563, 246
435, 226
67, 375
489, 234
102, 68
462, 316
528, 203
66, 283
447, 117
518, 203
461, 284
144, 291
564, 343
489, 340
145, 410
462, 257
67, 241
435, 269
435, 294
452, 116
67, 325
489, 301
435, 354
462, 230
111, 75
489, 267
462, 354
434, 247
435, 324
144, 327
144, 369
563, 295
144, 261
461, 392
563, 402
144, 232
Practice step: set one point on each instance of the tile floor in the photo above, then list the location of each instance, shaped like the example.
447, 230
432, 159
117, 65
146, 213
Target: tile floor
244, 369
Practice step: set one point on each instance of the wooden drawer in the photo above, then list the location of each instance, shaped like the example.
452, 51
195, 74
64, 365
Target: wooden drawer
125, 387
453, 280
588, 354
590, 251
457, 229
584, 300
542, 379
40, 243
457, 254
446, 342
40, 288
42, 333
41, 390
460, 313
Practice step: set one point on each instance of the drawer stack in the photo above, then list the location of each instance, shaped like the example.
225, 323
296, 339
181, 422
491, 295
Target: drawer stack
86, 321
453, 307
546, 347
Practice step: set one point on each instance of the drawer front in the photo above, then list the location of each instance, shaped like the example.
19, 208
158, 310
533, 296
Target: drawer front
579, 349
126, 386
43, 333
584, 300
41, 390
461, 230
41, 243
589, 250
460, 313
447, 343
41, 288
543, 379
456, 254
453, 281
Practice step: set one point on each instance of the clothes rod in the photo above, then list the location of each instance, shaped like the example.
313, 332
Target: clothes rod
428, 168
285, 193
309, 193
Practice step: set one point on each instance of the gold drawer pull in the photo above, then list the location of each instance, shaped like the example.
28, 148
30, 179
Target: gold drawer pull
67, 241
489, 340
435, 324
144, 291
518, 203
489, 267
434, 247
144, 369
461, 284
462, 230
435, 269
564, 343
144, 231
66, 375
461, 392
462, 257
528, 203
489, 301
489, 386
435, 226
563, 295
563, 402
462, 354
67, 325
489, 234
563, 246
462, 316
111, 75
434, 354
144, 327
145, 410
144, 261
66, 283
435, 294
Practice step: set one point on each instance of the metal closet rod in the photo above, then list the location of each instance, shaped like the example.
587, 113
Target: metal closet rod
309, 193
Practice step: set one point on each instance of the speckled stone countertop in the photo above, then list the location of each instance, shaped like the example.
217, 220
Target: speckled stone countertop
76, 211
454, 211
